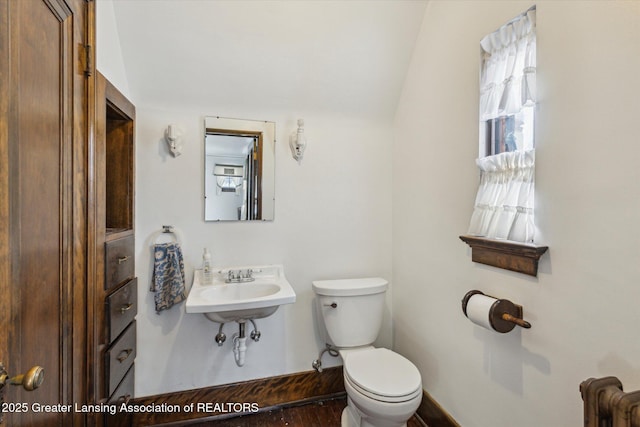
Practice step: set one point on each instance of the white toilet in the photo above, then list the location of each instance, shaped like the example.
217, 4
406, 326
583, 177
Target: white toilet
384, 389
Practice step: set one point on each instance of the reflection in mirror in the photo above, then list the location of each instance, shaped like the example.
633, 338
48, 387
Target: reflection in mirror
239, 169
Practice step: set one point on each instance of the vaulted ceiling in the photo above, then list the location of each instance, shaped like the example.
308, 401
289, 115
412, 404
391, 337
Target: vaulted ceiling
343, 56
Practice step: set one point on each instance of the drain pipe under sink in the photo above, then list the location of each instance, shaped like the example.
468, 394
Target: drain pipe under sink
240, 345
239, 339
239, 349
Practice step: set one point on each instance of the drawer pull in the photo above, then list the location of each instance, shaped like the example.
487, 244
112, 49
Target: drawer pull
124, 354
123, 259
126, 308
124, 399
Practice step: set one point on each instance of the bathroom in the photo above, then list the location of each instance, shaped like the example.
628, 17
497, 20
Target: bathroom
386, 186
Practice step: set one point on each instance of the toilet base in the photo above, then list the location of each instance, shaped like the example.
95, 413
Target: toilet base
347, 419
351, 417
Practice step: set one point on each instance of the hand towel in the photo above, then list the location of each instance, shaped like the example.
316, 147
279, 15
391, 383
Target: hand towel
168, 280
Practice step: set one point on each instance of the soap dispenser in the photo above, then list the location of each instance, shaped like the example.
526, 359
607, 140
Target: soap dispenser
207, 270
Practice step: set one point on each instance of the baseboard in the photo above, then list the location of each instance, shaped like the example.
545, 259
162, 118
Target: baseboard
432, 413
262, 394
265, 393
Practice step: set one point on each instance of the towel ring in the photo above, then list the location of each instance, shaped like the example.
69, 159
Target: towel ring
168, 229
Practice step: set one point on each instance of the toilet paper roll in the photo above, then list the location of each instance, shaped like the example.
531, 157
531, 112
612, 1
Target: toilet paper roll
479, 310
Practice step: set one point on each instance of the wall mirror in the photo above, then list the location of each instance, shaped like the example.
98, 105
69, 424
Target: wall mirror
239, 169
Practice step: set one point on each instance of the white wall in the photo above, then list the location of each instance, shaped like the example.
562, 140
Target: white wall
332, 220
584, 304
108, 51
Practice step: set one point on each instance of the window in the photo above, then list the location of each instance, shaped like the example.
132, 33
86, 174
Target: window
504, 206
507, 133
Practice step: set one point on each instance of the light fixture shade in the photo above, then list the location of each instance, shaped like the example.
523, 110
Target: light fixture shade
173, 137
298, 142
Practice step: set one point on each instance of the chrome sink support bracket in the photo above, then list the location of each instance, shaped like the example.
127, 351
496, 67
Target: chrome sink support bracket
255, 334
221, 337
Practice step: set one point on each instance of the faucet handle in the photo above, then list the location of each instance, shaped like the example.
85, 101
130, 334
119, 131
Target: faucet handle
240, 275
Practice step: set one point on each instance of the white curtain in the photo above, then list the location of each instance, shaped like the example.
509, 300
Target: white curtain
507, 78
504, 204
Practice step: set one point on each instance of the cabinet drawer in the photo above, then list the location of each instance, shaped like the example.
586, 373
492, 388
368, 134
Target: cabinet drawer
124, 391
119, 261
119, 358
122, 306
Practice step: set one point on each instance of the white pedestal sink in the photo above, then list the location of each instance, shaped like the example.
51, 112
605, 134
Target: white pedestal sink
241, 300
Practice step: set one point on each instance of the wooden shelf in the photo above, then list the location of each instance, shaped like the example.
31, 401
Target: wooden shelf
514, 256
117, 233
119, 159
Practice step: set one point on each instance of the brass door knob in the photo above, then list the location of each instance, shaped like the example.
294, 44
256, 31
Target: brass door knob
30, 381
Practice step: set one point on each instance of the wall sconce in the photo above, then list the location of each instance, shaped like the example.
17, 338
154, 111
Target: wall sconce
298, 142
173, 138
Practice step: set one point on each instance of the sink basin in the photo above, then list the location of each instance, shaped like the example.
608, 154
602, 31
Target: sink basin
227, 302
240, 292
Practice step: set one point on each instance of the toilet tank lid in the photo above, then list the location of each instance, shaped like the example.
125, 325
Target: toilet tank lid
350, 287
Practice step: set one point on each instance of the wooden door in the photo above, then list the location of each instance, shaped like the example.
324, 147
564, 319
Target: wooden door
43, 140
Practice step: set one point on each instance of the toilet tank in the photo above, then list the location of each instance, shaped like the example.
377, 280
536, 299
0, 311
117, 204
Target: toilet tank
352, 309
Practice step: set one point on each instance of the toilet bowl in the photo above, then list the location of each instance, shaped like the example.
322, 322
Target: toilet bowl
384, 389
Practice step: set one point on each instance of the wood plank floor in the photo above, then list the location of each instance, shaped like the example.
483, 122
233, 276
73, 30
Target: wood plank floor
316, 414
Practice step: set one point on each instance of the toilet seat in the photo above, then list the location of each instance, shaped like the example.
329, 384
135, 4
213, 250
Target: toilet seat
383, 375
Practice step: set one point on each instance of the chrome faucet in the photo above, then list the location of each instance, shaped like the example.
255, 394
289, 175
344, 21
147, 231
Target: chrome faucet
238, 276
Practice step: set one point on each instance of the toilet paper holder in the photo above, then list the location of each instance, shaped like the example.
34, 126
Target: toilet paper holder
503, 314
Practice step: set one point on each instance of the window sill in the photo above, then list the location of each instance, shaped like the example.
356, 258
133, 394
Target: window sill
514, 256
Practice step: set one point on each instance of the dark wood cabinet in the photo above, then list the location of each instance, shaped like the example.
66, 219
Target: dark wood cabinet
125, 388
119, 261
118, 359
115, 294
121, 308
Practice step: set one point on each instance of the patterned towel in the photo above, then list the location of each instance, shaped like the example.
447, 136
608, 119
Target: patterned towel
168, 276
